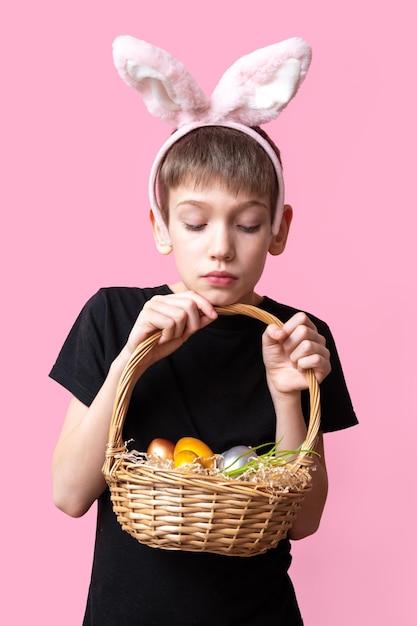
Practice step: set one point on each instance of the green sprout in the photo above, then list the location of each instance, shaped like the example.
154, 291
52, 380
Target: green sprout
271, 457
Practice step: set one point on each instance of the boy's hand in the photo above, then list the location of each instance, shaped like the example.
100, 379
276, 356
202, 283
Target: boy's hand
178, 315
290, 351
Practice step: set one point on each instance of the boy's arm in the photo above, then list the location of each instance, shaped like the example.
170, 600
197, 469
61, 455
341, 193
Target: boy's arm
309, 516
79, 455
292, 429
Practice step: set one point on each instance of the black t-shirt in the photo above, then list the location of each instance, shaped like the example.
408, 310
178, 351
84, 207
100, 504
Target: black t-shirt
214, 388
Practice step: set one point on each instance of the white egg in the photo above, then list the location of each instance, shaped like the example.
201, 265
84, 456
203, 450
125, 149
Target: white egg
230, 459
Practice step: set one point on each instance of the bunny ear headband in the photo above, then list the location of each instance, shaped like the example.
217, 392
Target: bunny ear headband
252, 91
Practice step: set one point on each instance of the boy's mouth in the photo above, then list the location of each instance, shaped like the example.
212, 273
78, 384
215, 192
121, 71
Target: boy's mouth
221, 274
224, 279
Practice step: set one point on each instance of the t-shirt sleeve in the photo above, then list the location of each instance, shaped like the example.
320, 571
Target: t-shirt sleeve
80, 365
336, 406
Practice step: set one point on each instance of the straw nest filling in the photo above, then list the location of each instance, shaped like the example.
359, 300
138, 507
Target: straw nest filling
274, 478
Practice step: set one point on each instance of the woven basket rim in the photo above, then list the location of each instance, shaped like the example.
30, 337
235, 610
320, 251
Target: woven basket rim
290, 468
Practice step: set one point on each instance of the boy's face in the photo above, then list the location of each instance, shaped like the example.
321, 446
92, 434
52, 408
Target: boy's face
214, 230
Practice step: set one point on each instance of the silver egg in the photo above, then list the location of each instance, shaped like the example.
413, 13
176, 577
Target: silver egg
229, 459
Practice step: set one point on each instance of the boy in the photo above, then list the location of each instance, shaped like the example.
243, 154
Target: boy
227, 380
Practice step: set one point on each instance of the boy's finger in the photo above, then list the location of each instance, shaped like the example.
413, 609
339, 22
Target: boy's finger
276, 332
205, 305
296, 320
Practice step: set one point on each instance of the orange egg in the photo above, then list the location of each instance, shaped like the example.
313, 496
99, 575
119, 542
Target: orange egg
185, 456
198, 447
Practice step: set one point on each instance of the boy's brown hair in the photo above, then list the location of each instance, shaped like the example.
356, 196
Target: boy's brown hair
223, 154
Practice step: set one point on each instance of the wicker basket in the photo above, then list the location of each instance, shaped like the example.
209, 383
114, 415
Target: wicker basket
176, 510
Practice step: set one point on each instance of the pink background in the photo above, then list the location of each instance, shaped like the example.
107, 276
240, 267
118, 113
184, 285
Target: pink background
77, 145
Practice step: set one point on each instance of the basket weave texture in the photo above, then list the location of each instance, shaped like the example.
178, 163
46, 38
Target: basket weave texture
177, 510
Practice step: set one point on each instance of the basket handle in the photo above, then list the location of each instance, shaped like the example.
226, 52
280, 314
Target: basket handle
130, 376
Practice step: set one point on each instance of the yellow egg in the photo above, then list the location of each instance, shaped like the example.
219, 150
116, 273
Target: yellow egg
185, 456
198, 447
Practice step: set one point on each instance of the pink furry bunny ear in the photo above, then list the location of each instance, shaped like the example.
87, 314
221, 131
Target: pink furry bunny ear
167, 88
256, 88
252, 91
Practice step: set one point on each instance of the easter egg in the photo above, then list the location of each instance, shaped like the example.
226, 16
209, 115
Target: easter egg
183, 457
229, 460
198, 447
164, 448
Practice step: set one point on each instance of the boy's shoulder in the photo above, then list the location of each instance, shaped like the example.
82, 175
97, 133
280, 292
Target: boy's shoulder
122, 291
114, 290
121, 299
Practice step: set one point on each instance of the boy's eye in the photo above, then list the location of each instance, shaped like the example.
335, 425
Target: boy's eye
246, 229
192, 227
250, 229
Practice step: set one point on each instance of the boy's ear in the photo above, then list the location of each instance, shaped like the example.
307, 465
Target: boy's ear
163, 248
278, 241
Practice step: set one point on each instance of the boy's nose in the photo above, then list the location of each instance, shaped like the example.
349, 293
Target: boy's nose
221, 244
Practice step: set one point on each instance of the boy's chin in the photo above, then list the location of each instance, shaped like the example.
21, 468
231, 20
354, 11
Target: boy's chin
223, 297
